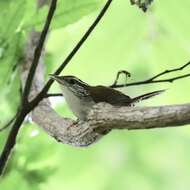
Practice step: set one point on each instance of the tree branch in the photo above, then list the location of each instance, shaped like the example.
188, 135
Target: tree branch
8, 123
105, 116
53, 95
152, 79
25, 107
11, 140
38, 51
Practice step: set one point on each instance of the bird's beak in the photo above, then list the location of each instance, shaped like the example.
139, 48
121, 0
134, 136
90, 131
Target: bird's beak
56, 78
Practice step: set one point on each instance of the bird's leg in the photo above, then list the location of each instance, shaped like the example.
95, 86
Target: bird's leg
74, 124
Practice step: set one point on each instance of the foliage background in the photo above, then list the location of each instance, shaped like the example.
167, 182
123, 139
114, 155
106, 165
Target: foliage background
127, 38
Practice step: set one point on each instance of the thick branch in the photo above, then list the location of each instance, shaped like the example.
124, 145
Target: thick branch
105, 116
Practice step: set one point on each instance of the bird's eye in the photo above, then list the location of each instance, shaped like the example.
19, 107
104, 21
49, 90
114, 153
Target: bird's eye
72, 81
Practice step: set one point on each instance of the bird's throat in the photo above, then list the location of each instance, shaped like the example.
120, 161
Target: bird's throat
79, 105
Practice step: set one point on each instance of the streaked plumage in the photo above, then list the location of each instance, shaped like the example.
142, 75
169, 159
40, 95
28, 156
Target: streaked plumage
81, 97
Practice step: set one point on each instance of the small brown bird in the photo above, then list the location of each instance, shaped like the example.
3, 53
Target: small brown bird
80, 96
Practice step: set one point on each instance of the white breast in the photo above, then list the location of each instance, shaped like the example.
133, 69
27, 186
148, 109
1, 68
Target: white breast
78, 106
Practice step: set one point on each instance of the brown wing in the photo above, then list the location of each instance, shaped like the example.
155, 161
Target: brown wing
109, 95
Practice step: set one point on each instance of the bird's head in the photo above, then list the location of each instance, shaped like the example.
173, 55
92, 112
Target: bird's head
72, 83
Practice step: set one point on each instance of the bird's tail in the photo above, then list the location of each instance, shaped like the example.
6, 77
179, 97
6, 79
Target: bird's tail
146, 96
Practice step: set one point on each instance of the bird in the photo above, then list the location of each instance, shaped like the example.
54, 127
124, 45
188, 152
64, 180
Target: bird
81, 97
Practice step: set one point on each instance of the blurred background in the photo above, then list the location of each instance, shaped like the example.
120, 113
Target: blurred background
126, 39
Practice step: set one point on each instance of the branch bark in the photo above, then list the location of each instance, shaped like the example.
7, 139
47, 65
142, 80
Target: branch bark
105, 116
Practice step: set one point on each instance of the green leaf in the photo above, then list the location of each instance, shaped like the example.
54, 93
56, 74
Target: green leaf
11, 44
67, 12
18, 18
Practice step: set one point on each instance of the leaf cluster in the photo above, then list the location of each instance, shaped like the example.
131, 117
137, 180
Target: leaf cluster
17, 19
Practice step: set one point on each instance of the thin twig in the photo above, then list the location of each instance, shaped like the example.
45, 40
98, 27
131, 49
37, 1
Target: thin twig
126, 73
170, 71
8, 123
38, 51
44, 91
152, 79
25, 107
53, 95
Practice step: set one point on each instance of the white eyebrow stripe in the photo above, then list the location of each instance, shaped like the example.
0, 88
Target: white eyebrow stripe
78, 81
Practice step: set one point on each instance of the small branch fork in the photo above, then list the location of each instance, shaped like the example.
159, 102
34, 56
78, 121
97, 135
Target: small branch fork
153, 79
